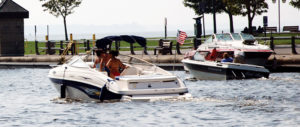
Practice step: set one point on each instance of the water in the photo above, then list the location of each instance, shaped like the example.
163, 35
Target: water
29, 99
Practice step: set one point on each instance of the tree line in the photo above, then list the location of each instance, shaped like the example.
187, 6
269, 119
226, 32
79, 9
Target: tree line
248, 8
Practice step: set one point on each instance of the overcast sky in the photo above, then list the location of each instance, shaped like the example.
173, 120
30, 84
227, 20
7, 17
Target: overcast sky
120, 16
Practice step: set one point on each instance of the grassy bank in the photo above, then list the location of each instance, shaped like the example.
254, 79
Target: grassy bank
30, 45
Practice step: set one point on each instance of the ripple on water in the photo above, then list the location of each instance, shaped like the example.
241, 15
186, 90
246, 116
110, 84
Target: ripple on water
31, 100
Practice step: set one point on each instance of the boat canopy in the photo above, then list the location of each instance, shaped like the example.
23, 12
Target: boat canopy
104, 42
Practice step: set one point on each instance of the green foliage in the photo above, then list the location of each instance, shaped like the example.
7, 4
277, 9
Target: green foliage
295, 3
30, 45
203, 6
253, 7
231, 6
206, 6
60, 7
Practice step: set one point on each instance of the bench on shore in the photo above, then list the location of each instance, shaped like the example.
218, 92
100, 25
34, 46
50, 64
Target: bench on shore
50, 47
164, 47
271, 29
291, 28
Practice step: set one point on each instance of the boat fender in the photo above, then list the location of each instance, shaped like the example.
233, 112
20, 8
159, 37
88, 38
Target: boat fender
109, 80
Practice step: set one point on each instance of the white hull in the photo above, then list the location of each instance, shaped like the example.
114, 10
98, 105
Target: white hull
200, 75
79, 81
74, 93
208, 70
254, 53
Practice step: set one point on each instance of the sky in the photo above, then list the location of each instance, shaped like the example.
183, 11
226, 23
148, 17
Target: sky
140, 17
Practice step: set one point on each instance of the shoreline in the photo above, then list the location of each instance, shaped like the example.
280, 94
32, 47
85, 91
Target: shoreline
282, 63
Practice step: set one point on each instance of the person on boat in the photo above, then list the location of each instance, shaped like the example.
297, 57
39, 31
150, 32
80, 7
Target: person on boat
106, 56
226, 58
114, 65
239, 56
98, 59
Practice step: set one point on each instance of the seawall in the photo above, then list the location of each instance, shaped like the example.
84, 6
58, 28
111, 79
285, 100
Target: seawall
282, 63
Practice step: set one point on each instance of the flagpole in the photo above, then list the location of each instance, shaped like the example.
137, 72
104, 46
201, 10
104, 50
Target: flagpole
175, 51
165, 28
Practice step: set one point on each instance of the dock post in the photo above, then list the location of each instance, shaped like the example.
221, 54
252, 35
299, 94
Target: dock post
48, 45
88, 48
94, 40
118, 45
73, 45
272, 43
94, 44
84, 45
145, 50
36, 48
61, 47
196, 42
294, 45
131, 49
178, 48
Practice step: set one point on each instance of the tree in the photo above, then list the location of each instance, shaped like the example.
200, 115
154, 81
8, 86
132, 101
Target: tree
295, 3
231, 7
61, 8
250, 8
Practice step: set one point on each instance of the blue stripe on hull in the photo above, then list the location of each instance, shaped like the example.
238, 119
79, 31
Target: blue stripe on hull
91, 91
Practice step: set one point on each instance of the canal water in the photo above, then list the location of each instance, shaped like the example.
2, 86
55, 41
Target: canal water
29, 99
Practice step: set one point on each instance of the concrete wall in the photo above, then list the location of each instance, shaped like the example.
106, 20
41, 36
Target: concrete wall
12, 37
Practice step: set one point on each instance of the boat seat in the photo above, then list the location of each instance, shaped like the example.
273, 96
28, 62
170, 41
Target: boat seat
147, 72
130, 71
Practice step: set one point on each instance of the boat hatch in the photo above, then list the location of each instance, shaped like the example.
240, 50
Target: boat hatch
147, 78
153, 85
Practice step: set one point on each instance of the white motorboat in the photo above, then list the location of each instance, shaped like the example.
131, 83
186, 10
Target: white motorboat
141, 81
254, 53
212, 70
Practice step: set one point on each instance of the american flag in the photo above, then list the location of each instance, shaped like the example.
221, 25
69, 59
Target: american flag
181, 36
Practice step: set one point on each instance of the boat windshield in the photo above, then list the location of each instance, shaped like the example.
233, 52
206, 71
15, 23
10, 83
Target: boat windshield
247, 36
200, 56
223, 37
77, 62
236, 36
132, 60
209, 40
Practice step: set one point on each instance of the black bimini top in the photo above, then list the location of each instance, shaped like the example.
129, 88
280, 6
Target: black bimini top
103, 42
